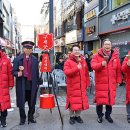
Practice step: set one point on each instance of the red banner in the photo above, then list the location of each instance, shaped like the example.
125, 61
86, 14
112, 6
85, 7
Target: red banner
45, 66
45, 41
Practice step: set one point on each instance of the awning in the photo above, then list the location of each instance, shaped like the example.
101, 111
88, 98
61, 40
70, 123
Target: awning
6, 43
3, 42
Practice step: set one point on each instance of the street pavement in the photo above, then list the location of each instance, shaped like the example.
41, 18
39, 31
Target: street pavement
48, 121
120, 96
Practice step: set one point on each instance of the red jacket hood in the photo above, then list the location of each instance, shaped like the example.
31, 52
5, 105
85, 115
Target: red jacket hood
74, 58
114, 53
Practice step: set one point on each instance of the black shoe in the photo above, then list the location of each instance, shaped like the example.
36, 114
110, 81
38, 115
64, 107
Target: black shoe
22, 122
78, 119
72, 120
32, 120
99, 119
128, 119
3, 124
109, 119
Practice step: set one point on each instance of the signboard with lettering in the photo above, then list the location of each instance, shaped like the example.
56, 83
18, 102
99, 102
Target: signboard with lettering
46, 66
45, 41
71, 37
120, 42
116, 20
90, 14
90, 30
123, 15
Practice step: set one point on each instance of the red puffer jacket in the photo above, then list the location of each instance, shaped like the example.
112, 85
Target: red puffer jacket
106, 78
77, 82
6, 81
126, 71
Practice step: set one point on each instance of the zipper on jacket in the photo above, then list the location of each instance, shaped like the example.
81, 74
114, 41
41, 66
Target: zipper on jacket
108, 86
81, 89
112, 63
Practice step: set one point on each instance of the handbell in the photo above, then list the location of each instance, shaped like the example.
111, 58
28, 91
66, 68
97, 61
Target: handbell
21, 68
106, 58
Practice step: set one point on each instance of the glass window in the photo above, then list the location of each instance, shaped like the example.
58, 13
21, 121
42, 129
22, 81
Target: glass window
118, 3
6, 33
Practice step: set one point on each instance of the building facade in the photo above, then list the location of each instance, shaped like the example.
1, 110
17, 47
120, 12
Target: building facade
44, 18
116, 21
59, 44
91, 39
72, 23
6, 25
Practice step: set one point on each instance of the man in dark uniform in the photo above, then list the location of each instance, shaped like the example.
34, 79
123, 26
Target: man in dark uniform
25, 69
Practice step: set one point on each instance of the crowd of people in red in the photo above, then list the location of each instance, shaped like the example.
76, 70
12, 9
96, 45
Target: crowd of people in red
108, 76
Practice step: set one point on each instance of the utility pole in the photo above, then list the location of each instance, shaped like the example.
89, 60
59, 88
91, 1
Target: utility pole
51, 30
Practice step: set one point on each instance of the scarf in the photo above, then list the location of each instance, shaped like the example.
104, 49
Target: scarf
75, 58
106, 53
27, 67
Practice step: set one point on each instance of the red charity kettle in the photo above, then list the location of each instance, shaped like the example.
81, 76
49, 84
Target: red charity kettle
47, 101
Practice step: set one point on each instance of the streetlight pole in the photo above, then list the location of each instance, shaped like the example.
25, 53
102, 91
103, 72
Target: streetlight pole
51, 29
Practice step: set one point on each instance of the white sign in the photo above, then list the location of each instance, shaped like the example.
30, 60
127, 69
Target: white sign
123, 15
120, 43
71, 37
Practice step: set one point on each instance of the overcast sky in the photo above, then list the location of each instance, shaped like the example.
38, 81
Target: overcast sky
28, 11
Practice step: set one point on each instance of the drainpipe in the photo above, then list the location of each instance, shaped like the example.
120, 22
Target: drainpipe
98, 22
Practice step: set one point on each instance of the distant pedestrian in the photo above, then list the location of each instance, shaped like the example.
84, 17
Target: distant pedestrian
18, 54
26, 71
66, 56
6, 83
107, 68
77, 78
41, 56
126, 71
60, 64
11, 56
88, 58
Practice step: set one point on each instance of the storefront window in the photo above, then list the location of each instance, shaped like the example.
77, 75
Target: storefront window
118, 3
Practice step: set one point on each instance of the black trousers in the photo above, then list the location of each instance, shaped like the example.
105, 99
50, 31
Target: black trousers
99, 110
3, 115
31, 110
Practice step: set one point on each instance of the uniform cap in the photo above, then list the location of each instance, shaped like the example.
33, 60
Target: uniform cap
28, 44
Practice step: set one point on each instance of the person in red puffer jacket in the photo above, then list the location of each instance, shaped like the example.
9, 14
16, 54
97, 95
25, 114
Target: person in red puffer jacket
6, 82
126, 71
77, 79
107, 68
